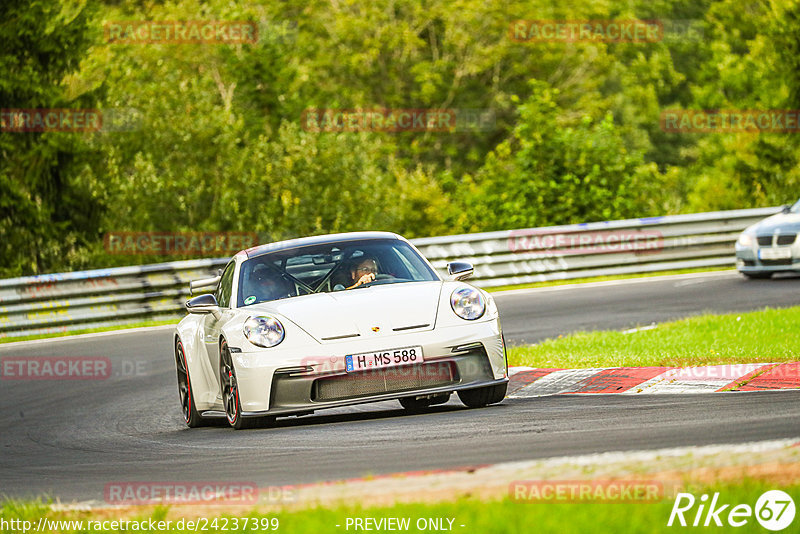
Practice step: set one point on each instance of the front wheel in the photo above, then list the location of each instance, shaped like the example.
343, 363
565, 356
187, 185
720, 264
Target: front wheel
190, 415
479, 397
230, 390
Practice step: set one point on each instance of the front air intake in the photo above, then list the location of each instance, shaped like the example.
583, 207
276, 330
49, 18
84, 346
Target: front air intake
380, 381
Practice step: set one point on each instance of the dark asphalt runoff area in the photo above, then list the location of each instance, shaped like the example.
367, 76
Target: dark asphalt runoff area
68, 439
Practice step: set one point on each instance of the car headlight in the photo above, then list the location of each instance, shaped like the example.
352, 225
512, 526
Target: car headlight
468, 303
747, 240
263, 331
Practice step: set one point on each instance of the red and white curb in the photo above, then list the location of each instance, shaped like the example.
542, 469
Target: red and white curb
533, 382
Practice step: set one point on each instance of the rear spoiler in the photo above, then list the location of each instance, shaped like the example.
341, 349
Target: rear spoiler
205, 285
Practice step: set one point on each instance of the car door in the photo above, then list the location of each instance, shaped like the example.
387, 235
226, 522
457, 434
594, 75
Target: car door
212, 326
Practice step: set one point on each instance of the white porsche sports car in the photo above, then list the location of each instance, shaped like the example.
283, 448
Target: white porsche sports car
319, 322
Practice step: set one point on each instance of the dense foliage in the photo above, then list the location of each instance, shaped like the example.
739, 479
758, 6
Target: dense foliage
213, 138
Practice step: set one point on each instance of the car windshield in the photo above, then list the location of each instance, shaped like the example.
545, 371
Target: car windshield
330, 267
796, 207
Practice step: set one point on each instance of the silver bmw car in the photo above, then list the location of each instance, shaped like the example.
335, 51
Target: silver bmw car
770, 246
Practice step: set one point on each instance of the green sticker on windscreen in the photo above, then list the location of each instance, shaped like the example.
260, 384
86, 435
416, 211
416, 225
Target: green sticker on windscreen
249, 300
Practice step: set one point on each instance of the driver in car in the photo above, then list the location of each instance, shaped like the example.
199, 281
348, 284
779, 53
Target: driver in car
363, 272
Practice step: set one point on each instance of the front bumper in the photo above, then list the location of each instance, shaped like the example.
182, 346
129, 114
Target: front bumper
462, 357
749, 261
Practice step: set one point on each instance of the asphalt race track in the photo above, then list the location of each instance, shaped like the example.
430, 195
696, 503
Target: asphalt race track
68, 439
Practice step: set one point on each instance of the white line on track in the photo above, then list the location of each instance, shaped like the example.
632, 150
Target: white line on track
624, 281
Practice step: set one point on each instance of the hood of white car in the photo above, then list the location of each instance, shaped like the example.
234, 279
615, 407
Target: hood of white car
362, 312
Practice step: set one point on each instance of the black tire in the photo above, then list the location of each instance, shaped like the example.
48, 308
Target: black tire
480, 397
413, 404
758, 276
230, 391
190, 414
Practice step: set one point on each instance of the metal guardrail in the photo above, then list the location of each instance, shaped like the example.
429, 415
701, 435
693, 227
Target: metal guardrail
107, 297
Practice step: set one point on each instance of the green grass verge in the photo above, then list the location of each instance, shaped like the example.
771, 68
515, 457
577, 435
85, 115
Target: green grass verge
140, 324
768, 335
605, 278
496, 517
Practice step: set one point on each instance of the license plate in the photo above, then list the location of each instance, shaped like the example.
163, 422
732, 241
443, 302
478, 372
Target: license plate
383, 358
775, 253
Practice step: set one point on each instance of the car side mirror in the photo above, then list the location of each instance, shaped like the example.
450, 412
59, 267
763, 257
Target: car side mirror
459, 270
786, 209
206, 284
203, 304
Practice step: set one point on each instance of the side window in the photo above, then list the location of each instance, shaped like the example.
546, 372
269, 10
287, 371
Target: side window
226, 286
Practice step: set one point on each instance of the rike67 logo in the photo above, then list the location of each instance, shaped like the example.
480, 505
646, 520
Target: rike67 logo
774, 510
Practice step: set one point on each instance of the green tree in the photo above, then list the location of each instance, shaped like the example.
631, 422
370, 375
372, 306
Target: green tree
48, 208
220, 146
753, 66
551, 172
